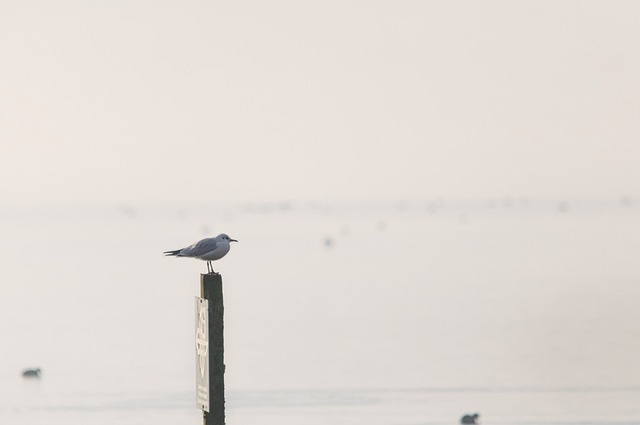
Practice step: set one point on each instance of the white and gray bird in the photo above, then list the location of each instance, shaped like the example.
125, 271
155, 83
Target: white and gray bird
209, 249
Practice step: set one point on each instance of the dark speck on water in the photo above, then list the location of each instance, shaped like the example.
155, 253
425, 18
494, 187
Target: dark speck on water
32, 373
469, 419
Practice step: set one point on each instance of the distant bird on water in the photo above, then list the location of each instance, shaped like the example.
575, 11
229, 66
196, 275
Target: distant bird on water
469, 419
31, 373
209, 249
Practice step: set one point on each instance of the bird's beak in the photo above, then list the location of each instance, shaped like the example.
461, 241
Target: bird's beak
232, 240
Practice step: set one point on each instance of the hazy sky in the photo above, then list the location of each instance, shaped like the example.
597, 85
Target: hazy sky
179, 100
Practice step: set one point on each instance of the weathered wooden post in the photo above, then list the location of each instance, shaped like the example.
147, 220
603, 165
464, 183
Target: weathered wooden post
210, 349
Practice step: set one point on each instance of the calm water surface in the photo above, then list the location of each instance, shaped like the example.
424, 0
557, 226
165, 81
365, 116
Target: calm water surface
344, 313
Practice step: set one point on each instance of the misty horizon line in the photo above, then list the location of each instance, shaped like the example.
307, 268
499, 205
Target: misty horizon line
430, 203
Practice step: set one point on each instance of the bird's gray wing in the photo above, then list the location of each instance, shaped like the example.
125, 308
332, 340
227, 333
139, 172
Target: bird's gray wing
199, 248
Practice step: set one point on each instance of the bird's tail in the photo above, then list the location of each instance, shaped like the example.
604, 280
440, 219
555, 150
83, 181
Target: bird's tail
174, 253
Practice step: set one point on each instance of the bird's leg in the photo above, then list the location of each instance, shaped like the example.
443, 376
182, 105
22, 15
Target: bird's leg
210, 267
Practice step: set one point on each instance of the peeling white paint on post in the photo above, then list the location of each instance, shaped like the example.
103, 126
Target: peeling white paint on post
202, 353
211, 354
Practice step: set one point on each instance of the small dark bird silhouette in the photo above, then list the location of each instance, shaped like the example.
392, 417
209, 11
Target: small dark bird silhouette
469, 419
32, 373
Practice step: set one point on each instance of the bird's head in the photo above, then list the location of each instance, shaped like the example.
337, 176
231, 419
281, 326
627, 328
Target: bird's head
225, 237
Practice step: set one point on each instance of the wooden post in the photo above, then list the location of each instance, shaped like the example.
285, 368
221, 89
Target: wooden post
211, 289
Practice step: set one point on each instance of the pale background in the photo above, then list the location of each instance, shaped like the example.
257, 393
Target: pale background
437, 205
175, 100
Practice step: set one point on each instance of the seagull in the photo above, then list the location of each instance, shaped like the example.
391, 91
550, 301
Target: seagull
209, 249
